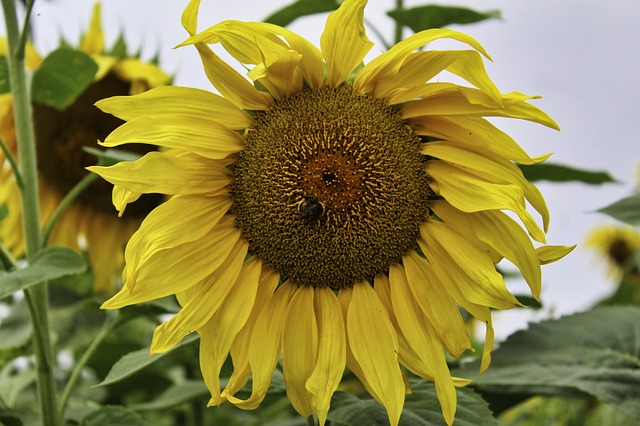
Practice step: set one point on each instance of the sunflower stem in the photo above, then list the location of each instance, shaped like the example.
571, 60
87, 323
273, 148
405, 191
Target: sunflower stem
311, 420
37, 296
12, 162
64, 204
399, 26
7, 260
111, 322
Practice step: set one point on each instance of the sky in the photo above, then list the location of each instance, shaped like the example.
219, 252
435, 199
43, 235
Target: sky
580, 55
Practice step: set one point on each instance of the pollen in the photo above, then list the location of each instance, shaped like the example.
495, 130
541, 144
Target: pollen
331, 187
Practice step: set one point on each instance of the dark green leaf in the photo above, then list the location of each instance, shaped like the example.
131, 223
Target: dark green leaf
113, 416
435, 16
295, 10
109, 157
176, 395
594, 353
51, 263
138, 360
421, 408
5, 86
62, 76
15, 329
561, 173
119, 49
626, 210
13, 383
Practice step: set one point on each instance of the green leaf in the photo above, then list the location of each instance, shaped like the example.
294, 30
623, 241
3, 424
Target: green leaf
138, 360
421, 408
113, 416
626, 210
49, 264
435, 16
4, 211
62, 76
5, 86
119, 48
176, 395
15, 329
595, 353
297, 9
561, 173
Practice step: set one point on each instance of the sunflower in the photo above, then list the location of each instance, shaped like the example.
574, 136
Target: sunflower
618, 246
89, 223
329, 214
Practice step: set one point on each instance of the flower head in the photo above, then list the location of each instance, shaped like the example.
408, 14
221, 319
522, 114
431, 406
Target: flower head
89, 224
617, 245
330, 220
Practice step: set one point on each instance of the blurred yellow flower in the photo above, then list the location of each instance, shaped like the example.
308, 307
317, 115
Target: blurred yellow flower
89, 224
330, 220
617, 245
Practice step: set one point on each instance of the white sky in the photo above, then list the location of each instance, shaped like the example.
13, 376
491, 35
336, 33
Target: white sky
581, 55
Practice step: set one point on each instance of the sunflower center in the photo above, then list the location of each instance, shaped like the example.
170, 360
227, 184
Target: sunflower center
331, 187
61, 135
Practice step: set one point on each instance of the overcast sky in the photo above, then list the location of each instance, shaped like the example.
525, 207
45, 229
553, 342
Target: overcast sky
580, 55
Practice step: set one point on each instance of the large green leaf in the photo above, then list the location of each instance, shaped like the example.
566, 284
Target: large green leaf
15, 328
62, 76
421, 408
626, 210
594, 353
561, 173
434, 16
51, 263
176, 395
299, 8
138, 360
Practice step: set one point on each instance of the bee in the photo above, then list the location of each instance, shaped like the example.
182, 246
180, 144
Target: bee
310, 209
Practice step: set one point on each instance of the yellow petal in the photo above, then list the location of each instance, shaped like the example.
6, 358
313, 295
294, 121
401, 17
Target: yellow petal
133, 70
470, 194
230, 84
190, 17
474, 133
457, 103
208, 139
175, 102
219, 332
374, 345
300, 349
500, 232
267, 285
483, 284
438, 307
489, 168
278, 70
93, 40
159, 173
203, 303
387, 65
344, 42
265, 346
550, 254
421, 337
331, 351
120, 197
167, 272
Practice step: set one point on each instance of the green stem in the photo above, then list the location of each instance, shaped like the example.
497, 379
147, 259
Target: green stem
7, 260
311, 420
64, 204
12, 162
112, 321
398, 33
37, 296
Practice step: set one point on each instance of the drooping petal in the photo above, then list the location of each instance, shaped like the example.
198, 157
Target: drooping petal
421, 337
135, 70
265, 346
278, 70
470, 193
549, 254
374, 346
120, 197
300, 348
331, 351
344, 42
172, 102
203, 302
219, 332
159, 173
387, 65
438, 307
